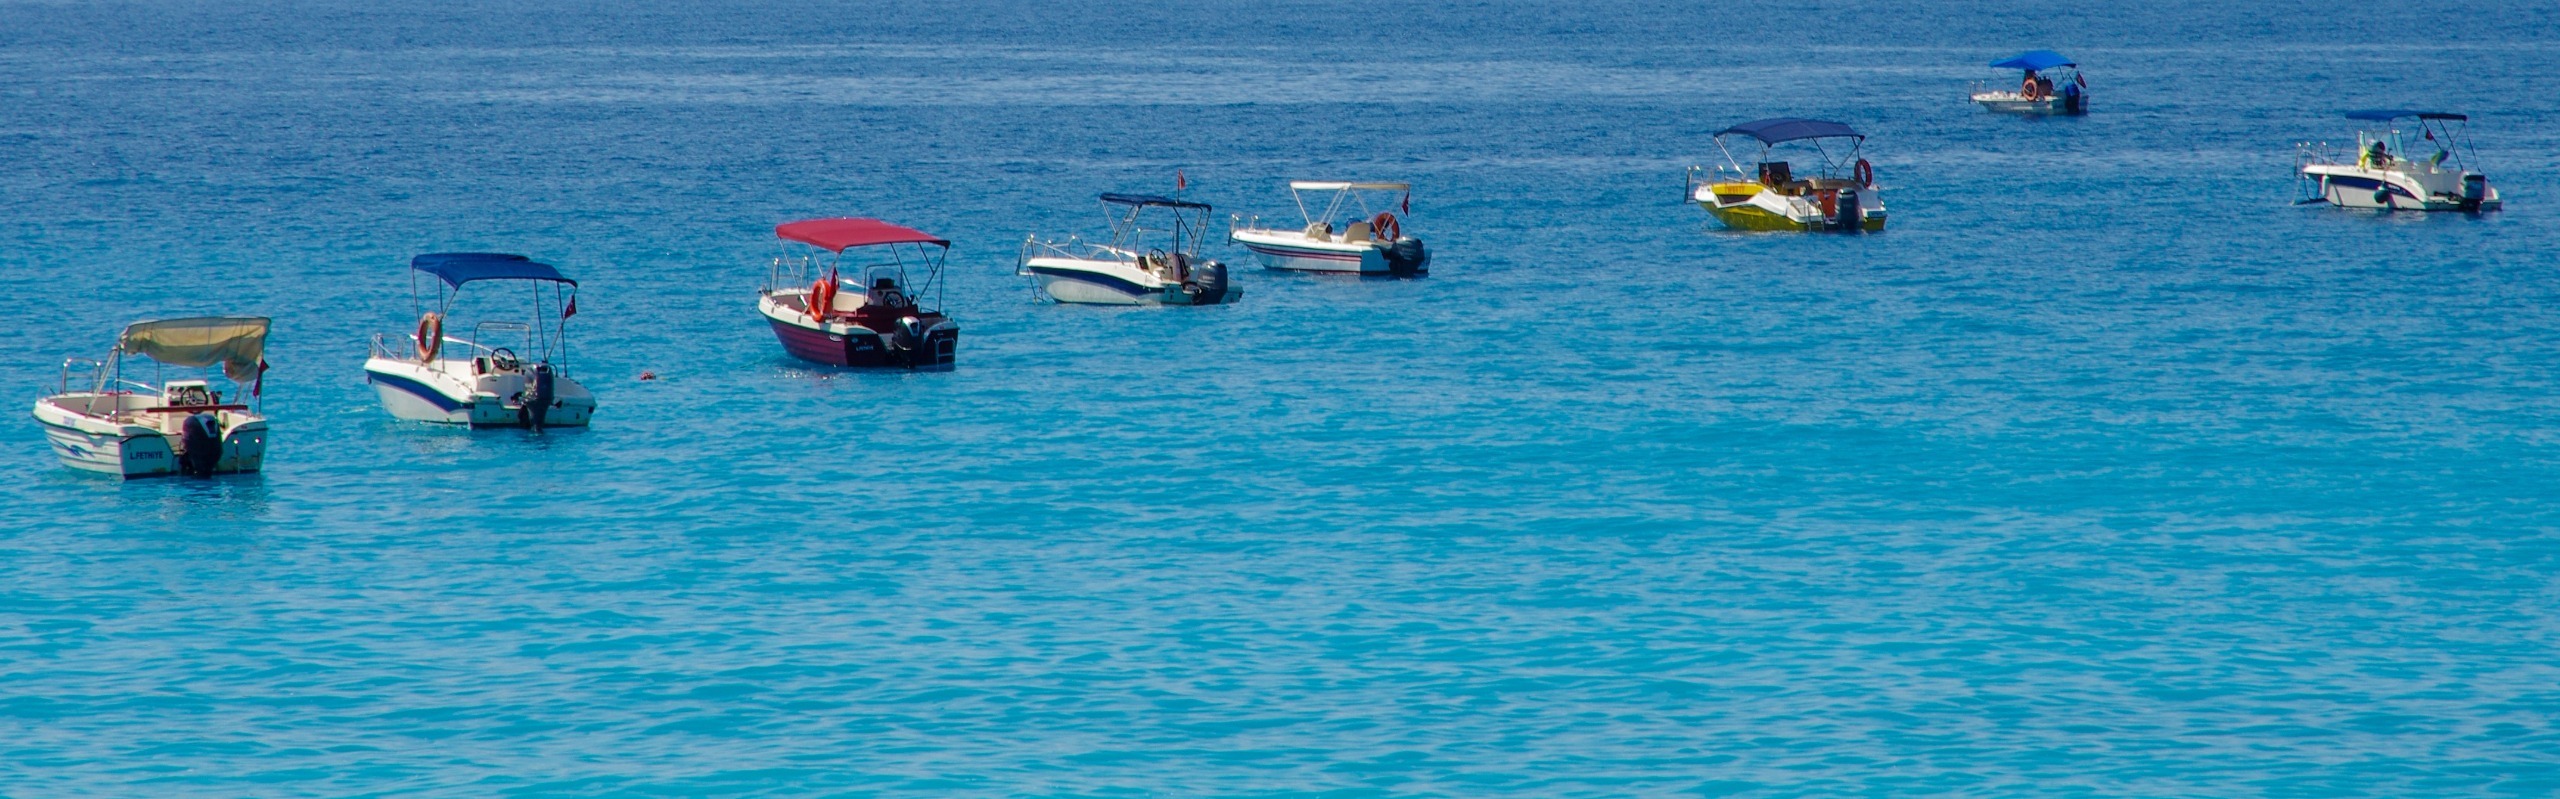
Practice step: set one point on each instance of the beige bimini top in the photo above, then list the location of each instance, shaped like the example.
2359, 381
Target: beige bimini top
236, 342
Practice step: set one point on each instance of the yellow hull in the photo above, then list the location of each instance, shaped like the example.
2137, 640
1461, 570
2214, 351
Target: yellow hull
1743, 216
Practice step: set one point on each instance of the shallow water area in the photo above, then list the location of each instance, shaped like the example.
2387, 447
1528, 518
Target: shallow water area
2105, 471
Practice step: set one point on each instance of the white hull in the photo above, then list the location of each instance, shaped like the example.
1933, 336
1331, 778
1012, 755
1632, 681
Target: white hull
2397, 189
128, 442
454, 391
1100, 282
2015, 103
1298, 251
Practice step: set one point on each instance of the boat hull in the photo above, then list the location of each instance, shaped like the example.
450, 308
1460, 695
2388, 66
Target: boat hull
1117, 283
1295, 251
2349, 186
851, 345
2013, 103
443, 393
93, 444
1759, 209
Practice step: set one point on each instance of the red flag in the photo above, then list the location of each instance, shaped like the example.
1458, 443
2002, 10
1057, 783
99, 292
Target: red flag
1179, 183
571, 309
259, 388
1408, 204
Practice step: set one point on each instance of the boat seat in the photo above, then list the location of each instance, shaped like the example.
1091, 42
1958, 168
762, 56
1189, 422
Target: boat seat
1821, 184
1320, 230
1358, 232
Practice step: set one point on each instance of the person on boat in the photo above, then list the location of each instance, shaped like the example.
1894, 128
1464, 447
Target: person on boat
2376, 157
2027, 89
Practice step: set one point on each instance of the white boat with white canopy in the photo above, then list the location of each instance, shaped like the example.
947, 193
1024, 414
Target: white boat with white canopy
1128, 271
2386, 175
1368, 243
482, 380
132, 428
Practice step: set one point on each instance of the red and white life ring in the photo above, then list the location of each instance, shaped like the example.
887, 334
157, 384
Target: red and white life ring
1865, 173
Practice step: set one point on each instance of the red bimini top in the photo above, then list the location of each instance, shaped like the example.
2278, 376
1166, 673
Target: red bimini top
838, 234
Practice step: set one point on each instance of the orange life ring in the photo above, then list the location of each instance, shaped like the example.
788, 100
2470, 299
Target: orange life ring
1384, 227
430, 336
822, 299
1865, 173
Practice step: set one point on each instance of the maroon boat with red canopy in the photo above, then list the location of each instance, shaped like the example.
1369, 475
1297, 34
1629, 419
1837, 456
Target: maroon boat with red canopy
874, 318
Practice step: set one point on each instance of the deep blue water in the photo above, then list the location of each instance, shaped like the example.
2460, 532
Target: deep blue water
2105, 472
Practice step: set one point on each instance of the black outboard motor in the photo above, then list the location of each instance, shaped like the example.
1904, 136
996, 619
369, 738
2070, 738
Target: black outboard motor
200, 444
535, 402
1208, 284
2475, 188
1851, 219
1408, 258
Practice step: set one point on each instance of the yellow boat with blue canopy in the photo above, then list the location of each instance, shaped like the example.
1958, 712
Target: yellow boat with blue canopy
1837, 192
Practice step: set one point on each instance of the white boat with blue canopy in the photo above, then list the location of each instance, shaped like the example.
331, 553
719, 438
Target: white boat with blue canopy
1140, 265
1837, 192
483, 379
132, 428
2387, 171
2051, 85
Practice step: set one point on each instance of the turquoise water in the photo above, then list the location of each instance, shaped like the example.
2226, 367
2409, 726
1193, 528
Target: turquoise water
2105, 472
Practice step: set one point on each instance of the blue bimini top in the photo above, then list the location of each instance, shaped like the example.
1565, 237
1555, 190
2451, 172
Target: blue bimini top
2388, 114
2034, 59
457, 268
1786, 129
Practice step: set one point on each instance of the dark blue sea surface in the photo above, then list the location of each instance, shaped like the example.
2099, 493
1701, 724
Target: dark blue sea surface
2106, 472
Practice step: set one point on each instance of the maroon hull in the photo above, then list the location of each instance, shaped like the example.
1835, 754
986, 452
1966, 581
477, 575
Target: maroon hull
866, 349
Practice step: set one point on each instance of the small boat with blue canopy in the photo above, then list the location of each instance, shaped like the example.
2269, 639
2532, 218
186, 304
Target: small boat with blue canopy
2388, 171
2051, 85
1837, 191
500, 374
1140, 265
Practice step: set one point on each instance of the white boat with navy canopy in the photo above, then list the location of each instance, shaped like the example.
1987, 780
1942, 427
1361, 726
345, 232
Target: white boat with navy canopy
2387, 173
481, 379
1129, 270
131, 428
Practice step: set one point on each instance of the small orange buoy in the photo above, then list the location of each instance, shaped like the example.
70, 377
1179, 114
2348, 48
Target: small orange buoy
648, 375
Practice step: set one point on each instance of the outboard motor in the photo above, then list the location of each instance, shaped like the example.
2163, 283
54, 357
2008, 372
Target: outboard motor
535, 402
904, 338
1208, 284
200, 444
1851, 218
1407, 258
2475, 188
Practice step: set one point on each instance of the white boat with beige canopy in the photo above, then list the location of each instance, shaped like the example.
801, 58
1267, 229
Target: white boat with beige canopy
181, 426
1369, 243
